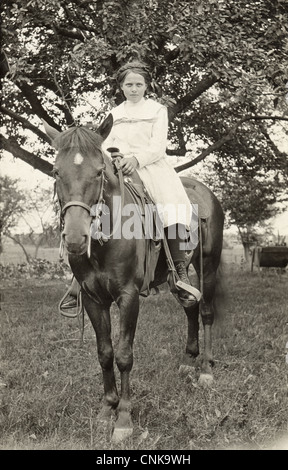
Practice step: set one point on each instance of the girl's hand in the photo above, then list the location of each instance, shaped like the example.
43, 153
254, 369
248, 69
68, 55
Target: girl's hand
129, 165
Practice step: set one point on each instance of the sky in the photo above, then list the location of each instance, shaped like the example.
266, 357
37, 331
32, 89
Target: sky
28, 177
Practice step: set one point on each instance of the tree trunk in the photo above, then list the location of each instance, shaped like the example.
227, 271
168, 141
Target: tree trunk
248, 242
16, 240
247, 251
38, 244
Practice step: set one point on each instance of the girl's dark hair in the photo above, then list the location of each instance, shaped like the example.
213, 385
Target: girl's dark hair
136, 67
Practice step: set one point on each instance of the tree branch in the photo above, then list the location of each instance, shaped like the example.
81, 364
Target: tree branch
224, 139
37, 108
185, 102
38, 163
40, 79
270, 142
69, 33
65, 107
25, 123
180, 152
36, 105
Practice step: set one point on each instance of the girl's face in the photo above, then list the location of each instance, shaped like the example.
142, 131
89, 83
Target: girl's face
134, 87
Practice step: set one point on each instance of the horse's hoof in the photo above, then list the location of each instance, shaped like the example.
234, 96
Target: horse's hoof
105, 415
185, 370
120, 434
205, 380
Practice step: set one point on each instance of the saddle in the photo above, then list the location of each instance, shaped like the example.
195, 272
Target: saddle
142, 199
140, 196
153, 245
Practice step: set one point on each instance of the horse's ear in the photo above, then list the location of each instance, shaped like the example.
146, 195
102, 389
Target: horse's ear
50, 131
105, 127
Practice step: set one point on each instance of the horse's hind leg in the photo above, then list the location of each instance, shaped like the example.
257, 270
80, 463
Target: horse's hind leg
207, 315
192, 345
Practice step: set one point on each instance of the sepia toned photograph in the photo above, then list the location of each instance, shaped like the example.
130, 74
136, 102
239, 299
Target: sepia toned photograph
144, 228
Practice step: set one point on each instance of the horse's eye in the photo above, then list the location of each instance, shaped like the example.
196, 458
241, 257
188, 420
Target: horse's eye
55, 172
99, 173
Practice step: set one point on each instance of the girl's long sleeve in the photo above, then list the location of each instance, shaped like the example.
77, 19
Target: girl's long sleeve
158, 142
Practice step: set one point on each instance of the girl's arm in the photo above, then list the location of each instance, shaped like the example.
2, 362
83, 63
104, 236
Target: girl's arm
158, 142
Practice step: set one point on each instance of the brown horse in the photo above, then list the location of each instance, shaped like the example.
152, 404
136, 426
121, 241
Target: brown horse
114, 271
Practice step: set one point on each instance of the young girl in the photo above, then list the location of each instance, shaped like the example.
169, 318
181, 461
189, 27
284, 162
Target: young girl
140, 128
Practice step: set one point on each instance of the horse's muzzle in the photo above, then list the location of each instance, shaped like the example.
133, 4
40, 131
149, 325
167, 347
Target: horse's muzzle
76, 236
76, 247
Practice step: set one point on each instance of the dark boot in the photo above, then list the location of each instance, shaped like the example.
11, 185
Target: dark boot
186, 292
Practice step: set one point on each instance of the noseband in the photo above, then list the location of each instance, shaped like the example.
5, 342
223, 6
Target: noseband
75, 203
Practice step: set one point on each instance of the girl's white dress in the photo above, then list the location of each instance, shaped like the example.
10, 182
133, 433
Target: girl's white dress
140, 130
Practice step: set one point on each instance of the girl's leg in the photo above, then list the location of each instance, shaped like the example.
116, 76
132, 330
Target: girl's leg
176, 237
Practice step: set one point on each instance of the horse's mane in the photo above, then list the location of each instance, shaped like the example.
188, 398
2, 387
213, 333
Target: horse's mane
80, 137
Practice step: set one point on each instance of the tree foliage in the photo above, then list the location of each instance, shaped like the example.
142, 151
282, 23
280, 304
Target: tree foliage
30, 211
220, 66
12, 204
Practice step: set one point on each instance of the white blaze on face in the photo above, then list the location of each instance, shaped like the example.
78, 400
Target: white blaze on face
78, 159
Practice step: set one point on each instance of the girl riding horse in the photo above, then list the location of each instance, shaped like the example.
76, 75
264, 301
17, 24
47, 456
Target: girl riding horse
140, 128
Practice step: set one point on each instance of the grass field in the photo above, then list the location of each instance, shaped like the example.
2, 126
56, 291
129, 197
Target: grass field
51, 384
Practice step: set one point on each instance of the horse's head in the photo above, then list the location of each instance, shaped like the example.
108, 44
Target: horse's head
79, 174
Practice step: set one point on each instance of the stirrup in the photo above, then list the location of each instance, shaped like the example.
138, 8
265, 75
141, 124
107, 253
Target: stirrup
76, 310
192, 290
177, 285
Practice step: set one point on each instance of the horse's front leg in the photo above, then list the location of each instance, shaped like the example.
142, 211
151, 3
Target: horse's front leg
206, 375
129, 309
100, 318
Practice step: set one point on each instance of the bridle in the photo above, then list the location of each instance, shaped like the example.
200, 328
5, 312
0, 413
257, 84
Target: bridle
94, 215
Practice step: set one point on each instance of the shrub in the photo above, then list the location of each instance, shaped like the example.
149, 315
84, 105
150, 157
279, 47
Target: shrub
36, 268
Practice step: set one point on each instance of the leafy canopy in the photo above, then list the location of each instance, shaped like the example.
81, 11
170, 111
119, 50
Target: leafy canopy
220, 66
